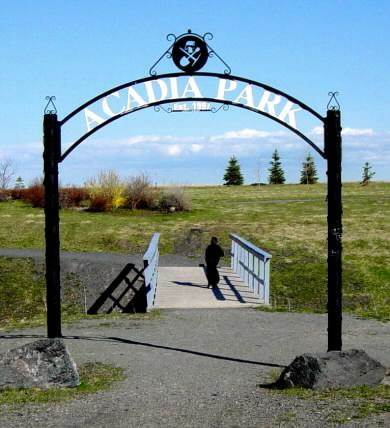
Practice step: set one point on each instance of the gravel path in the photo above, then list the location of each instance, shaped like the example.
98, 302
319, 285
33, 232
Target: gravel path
115, 259
198, 368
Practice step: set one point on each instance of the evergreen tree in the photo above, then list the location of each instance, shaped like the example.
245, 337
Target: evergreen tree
19, 183
276, 173
233, 176
367, 174
309, 171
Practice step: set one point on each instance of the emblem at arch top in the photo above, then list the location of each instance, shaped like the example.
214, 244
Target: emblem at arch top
190, 53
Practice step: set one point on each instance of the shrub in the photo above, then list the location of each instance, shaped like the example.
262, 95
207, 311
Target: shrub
139, 194
3, 195
99, 204
72, 196
35, 194
174, 199
17, 193
108, 187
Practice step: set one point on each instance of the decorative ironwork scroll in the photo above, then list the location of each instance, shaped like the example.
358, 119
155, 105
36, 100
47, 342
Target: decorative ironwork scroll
50, 102
333, 103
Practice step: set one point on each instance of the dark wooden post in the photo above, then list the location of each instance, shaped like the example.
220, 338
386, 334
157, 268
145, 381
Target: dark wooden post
51, 155
333, 155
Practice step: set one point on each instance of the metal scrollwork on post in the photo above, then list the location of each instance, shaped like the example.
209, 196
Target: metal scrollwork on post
333, 103
50, 106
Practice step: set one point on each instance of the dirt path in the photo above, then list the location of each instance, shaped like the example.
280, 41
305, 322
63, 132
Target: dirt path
198, 368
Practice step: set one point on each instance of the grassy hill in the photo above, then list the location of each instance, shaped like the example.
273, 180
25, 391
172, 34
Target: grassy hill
289, 221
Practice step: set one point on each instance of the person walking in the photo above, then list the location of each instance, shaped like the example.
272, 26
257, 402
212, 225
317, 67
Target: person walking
213, 253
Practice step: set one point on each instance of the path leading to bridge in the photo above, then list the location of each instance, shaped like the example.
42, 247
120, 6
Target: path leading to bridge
186, 287
197, 368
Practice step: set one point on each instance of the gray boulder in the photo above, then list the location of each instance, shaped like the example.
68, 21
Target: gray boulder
334, 369
42, 364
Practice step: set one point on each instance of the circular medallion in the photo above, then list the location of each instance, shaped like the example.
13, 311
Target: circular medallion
190, 53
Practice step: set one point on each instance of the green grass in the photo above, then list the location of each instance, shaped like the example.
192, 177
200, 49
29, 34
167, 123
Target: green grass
94, 377
22, 302
346, 403
22, 293
293, 229
350, 403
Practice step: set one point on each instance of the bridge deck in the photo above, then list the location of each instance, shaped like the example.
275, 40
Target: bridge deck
186, 287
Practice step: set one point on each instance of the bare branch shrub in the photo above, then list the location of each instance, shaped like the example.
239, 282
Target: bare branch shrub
140, 194
72, 196
7, 173
174, 199
35, 193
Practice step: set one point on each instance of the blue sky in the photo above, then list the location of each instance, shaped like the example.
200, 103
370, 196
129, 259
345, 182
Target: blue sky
78, 49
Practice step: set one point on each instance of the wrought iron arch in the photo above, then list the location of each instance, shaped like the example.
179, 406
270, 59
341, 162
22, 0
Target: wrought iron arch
331, 152
185, 99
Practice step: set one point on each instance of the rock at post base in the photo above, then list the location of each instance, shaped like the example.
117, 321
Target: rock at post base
42, 364
334, 369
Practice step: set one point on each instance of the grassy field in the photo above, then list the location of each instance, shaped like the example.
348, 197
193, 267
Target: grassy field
287, 220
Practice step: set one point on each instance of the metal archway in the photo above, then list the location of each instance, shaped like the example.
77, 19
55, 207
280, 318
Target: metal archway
332, 153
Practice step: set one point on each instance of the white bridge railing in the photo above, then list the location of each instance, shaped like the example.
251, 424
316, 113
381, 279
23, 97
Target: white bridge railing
151, 270
252, 264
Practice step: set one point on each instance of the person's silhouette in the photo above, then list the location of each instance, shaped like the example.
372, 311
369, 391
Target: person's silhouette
213, 253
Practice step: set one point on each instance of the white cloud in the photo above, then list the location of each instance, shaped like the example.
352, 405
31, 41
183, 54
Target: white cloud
353, 132
359, 145
246, 134
196, 148
317, 130
357, 132
174, 149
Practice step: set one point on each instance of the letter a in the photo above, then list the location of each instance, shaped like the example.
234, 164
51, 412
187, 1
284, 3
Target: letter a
106, 107
246, 95
92, 118
222, 87
133, 95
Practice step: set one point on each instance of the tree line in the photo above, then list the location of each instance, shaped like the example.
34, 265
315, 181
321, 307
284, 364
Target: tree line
234, 177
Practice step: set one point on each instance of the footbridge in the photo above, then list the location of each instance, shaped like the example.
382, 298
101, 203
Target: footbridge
246, 282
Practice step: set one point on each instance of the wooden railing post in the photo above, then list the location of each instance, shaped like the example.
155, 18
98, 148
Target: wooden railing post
252, 265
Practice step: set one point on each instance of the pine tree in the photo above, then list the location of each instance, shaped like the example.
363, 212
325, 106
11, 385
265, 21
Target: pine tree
367, 174
309, 171
233, 176
276, 173
19, 183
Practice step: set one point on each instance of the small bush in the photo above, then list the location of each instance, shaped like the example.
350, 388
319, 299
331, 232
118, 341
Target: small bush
99, 204
17, 194
139, 194
72, 197
107, 187
174, 199
3, 195
35, 194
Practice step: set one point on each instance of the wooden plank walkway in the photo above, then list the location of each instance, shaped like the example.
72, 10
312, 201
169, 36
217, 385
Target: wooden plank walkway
186, 287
